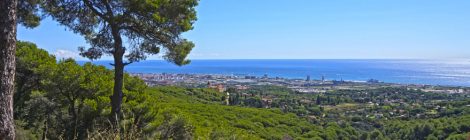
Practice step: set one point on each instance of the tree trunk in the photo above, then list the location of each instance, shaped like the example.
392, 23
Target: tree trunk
46, 127
116, 99
74, 118
7, 67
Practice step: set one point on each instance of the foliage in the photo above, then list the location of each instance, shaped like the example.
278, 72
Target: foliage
440, 128
28, 13
131, 29
66, 100
30, 60
147, 25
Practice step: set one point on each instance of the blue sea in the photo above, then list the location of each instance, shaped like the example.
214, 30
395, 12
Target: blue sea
432, 72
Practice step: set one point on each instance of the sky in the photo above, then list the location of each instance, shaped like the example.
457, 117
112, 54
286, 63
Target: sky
307, 29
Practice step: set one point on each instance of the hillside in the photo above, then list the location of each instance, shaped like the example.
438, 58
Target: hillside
66, 100
203, 110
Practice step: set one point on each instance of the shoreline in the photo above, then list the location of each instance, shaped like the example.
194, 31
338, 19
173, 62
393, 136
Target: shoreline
400, 72
298, 78
300, 85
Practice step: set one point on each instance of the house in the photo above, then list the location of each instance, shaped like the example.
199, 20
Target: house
218, 87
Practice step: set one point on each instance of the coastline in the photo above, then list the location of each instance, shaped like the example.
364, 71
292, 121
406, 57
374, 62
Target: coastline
400, 71
308, 85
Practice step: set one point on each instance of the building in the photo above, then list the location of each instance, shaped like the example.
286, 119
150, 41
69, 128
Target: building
308, 78
218, 87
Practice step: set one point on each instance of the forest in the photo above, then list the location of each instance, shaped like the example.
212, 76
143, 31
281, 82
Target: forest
67, 100
44, 97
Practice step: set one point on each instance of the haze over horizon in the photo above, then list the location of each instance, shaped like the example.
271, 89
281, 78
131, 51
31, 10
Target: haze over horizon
247, 29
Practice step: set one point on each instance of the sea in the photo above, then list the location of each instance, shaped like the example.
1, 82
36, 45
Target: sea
427, 72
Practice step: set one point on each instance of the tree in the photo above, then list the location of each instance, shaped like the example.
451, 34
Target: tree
7, 67
66, 100
175, 128
11, 13
65, 83
131, 29
29, 59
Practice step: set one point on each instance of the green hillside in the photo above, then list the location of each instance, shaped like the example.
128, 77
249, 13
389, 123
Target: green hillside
203, 110
66, 100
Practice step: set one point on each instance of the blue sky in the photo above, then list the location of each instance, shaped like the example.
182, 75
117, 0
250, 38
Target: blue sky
308, 29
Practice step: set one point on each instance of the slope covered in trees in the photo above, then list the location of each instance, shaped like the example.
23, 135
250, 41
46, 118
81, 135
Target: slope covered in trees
65, 100
62, 99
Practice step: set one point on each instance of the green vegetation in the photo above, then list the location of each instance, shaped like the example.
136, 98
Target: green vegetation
127, 30
65, 100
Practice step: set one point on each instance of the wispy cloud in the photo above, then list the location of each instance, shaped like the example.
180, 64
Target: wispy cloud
64, 54
193, 55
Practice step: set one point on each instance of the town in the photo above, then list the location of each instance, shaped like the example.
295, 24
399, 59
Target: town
307, 85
